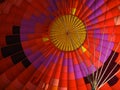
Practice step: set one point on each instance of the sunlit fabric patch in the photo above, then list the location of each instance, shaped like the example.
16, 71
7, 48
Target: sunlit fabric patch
117, 20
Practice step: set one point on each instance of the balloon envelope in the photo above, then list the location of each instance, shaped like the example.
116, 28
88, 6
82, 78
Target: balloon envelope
59, 44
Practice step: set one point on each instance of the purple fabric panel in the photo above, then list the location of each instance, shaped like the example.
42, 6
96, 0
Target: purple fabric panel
52, 5
97, 31
58, 57
65, 62
89, 2
70, 66
27, 23
70, 69
23, 37
70, 62
97, 4
42, 18
104, 57
34, 19
105, 46
34, 56
39, 61
94, 21
107, 43
77, 70
84, 69
26, 29
95, 14
91, 69
100, 36
78, 75
62, 55
89, 27
27, 52
28, 26
105, 52
48, 60
55, 59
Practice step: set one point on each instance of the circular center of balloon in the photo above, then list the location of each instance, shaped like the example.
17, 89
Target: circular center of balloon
67, 32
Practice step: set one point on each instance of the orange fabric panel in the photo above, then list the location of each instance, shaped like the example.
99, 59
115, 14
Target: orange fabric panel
83, 87
64, 68
5, 29
118, 75
116, 45
118, 60
64, 76
37, 74
113, 3
52, 68
55, 82
35, 48
88, 86
48, 76
4, 81
2, 41
86, 60
58, 72
107, 23
80, 82
46, 79
117, 38
15, 71
11, 74
87, 14
97, 64
54, 88
106, 87
1, 56
72, 83
34, 36
62, 88
27, 15
28, 44
29, 86
74, 58
17, 3
16, 85
71, 76
80, 6
72, 88
16, 17
24, 76
63, 83
32, 10
5, 64
116, 86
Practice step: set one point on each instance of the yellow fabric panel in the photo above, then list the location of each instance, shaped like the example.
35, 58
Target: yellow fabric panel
73, 11
83, 49
67, 32
45, 39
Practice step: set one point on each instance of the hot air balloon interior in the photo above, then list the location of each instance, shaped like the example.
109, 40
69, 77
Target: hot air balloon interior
59, 44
